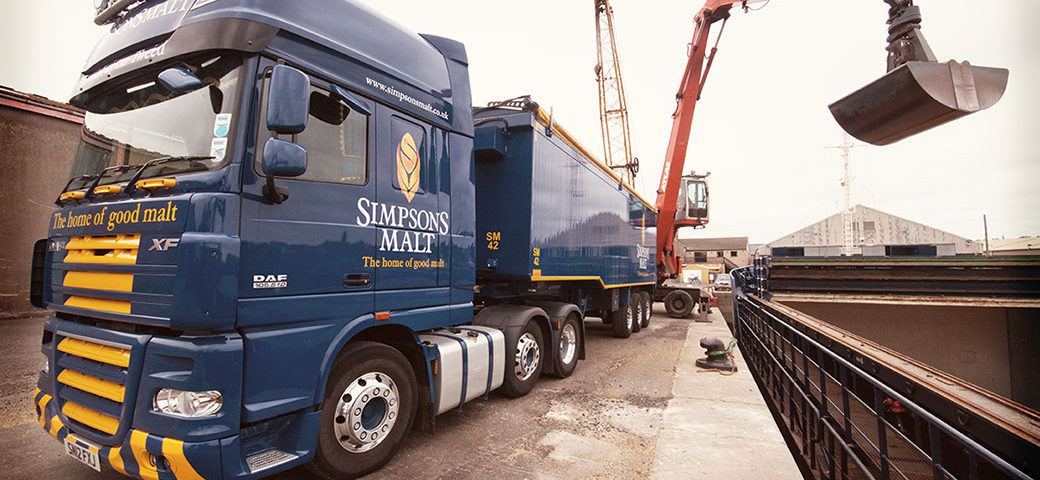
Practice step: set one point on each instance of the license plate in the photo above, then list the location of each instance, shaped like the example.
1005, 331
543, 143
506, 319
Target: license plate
84, 455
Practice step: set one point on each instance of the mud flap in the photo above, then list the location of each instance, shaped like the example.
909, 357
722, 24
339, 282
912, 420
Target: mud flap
916, 97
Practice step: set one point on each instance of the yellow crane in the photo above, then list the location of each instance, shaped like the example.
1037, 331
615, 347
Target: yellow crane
613, 111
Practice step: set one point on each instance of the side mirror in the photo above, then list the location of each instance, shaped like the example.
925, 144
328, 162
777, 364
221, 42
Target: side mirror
179, 79
283, 159
288, 102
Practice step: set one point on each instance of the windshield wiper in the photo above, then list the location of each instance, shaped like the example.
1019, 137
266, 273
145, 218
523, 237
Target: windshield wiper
96, 180
132, 184
85, 177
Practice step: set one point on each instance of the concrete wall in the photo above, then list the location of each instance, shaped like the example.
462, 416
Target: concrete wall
36, 153
995, 348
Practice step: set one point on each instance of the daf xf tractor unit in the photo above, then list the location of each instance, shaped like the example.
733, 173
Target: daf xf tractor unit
288, 238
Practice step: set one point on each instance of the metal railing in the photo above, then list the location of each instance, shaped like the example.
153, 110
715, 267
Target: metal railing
846, 422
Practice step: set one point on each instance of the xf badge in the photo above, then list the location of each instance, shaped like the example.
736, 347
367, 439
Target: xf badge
164, 244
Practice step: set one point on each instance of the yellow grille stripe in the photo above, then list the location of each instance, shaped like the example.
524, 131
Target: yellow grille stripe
114, 257
104, 242
101, 353
90, 418
103, 249
103, 304
114, 282
144, 459
102, 388
173, 450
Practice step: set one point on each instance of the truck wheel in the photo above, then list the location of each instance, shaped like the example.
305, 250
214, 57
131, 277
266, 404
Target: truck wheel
570, 341
637, 313
621, 320
679, 303
369, 406
527, 361
648, 305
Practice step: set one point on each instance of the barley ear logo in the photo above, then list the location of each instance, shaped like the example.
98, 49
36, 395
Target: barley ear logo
408, 166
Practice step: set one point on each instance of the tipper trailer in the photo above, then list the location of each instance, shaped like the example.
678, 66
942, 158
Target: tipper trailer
279, 243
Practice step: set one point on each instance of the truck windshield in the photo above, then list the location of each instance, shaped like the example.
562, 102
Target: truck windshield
142, 121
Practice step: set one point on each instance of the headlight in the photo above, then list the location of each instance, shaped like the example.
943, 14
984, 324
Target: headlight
188, 404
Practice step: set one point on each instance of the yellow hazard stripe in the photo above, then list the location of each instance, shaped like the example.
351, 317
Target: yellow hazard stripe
113, 282
102, 388
540, 278
144, 459
173, 450
56, 426
101, 353
90, 418
115, 460
44, 401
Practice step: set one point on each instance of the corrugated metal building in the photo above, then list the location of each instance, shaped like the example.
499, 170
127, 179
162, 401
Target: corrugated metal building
1014, 246
38, 139
875, 234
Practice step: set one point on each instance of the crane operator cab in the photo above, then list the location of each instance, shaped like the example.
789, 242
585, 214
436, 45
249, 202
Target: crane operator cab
692, 208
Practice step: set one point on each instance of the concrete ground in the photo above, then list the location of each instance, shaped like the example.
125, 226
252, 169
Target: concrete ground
635, 408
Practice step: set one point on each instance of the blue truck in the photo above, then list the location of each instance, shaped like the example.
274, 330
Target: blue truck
287, 238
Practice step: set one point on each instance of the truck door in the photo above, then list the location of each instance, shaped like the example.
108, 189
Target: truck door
314, 242
412, 224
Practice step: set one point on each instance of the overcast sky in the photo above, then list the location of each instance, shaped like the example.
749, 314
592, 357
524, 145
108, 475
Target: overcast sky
762, 127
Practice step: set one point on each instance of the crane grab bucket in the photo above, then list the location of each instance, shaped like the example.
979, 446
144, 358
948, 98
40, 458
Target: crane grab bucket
917, 96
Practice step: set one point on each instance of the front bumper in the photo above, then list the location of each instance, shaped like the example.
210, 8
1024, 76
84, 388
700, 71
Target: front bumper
141, 455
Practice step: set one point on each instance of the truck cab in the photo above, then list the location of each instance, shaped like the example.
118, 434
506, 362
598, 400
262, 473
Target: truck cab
257, 185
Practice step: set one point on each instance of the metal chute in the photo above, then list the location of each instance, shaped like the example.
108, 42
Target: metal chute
917, 93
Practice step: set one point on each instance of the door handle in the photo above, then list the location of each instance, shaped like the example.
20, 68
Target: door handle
356, 280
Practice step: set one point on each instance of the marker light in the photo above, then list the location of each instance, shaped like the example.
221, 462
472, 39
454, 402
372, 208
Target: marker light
188, 404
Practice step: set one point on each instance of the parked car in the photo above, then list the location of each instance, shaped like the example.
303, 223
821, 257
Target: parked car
723, 282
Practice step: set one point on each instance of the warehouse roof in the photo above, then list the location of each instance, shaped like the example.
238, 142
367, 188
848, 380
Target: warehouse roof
1021, 243
719, 243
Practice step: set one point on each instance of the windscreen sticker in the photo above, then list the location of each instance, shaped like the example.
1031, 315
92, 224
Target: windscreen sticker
222, 125
218, 148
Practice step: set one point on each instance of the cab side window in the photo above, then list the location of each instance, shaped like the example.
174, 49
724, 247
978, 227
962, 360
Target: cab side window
336, 140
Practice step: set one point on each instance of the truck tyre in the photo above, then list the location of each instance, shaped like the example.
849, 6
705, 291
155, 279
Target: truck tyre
637, 313
648, 305
369, 406
679, 303
621, 320
524, 353
570, 342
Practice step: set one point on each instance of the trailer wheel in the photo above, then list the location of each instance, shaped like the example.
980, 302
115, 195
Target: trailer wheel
570, 341
679, 303
369, 406
621, 320
526, 351
648, 305
637, 313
